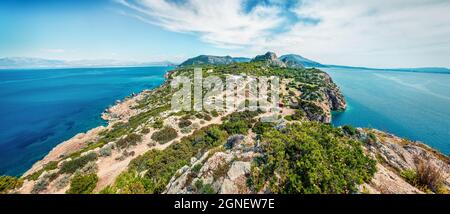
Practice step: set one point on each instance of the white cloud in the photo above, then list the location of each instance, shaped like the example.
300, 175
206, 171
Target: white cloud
372, 33
389, 33
222, 23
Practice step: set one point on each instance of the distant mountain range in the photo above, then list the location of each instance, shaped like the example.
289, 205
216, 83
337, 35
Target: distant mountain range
288, 60
26, 62
296, 61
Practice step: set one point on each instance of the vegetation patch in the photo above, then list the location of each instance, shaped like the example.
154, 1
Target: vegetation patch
160, 166
130, 140
82, 184
72, 165
425, 177
310, 158
202, 188
8, 183
165, 135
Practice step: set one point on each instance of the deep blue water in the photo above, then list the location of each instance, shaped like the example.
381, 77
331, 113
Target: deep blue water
411, 105
41, 108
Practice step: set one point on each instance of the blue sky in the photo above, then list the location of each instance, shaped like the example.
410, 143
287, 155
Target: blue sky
373, 33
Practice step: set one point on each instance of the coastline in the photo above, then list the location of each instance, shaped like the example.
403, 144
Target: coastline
109, 168
121, 111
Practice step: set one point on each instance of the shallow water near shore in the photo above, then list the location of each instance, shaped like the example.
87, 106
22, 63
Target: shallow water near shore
415, 106
41, 108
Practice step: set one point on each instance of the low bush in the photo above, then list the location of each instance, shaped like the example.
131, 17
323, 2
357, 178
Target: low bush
72, 165
47, 167
202, 188
350, 130
207, 117
298, 115
130, 140
428, 176
105, 151
82, 184
40, 186
184, 123
62, 182
214, 113
196, 168
145, 130
261, 127
164, 135
8, 183
158, 124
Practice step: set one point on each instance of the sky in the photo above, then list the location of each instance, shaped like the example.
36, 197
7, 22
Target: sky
370, 33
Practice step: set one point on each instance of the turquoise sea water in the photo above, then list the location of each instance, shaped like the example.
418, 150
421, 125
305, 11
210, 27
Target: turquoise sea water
411, 105
41, 108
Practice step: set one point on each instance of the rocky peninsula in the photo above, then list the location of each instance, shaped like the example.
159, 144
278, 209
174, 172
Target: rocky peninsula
148, 148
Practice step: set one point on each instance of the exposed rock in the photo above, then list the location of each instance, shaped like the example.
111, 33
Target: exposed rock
271, 59
396, 155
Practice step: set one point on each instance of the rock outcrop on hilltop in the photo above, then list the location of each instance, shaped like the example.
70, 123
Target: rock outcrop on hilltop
270, 59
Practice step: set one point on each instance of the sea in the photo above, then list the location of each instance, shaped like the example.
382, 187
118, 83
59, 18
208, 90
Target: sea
40, 108
412, 105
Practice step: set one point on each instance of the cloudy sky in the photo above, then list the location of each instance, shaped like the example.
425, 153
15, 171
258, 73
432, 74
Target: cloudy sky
372, 33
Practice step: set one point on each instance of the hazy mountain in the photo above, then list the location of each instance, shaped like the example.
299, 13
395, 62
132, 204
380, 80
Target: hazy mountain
419, 70
208, 59
297, 61
26, 62
242, 59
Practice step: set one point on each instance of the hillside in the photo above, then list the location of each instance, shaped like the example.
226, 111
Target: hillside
148, 148
297, 61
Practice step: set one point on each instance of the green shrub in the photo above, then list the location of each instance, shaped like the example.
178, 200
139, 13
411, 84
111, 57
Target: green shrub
72, 165
47, 167
214, 113
165, 135
196, 168
105, 151
40, 186
82, 184
207, 117
158, 124
236, 127
203, 188
8, 183
130, 140
310, 158
298, 115
350, 130
372, 137
128, 182
261, 127
145, 130
425, 177
184, 123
